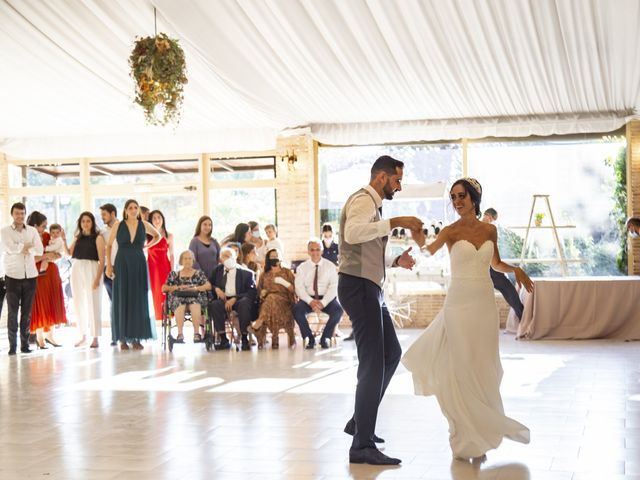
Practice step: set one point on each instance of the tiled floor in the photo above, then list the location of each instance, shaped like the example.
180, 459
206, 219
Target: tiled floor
86, 414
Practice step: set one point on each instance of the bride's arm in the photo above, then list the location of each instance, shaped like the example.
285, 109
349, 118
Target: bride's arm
522, 279
431, 247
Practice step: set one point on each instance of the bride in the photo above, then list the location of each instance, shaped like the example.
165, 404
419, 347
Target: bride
456, 358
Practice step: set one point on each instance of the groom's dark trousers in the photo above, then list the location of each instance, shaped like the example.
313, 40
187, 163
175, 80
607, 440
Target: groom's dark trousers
379, 351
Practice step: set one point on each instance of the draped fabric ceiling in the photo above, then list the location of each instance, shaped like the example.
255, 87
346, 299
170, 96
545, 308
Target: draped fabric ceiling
348, 71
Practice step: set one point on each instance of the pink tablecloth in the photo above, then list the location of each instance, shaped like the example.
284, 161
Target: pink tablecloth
581, 308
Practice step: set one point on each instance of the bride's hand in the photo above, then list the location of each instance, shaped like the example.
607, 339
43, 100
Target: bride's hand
523, 280
406, 260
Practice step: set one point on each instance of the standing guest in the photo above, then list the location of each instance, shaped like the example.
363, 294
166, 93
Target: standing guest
330, 251
235, 290
87, 269
205, 248
257, 240
48, 302
130, 307
363, 241
20, 245
317, 289
277, 296
160, 261
109, 215
242, 234
500, 281
633, 226
144, 213
3, 287
273, 240
193, 281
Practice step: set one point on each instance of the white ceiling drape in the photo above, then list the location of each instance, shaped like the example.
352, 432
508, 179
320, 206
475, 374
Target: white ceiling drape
355, 72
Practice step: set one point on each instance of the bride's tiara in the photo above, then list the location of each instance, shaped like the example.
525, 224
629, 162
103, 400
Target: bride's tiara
474, 183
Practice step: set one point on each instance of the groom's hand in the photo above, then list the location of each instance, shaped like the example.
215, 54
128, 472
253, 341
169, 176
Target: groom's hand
406, 260
412, 223
419, 237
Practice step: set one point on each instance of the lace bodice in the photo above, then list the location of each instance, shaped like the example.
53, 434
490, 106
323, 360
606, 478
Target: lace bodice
469, 262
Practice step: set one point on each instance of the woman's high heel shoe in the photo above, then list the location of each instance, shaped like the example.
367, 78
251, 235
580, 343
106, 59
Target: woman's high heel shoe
53, 344
41, 347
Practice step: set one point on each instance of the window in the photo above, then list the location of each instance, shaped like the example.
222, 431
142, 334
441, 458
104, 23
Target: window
229, 207
44, 175
61, 209
343, 169
579, 182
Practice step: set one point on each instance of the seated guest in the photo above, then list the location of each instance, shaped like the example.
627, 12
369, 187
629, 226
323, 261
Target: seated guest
192, 285
236, 247
274, 241
277, 296
317, 289
250, 259
500, 281
235, 291
633, 226
330, 251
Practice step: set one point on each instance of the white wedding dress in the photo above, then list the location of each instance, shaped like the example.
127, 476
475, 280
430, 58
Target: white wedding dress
457, 359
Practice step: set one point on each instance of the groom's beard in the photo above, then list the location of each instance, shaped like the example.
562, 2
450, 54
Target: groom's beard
389, 192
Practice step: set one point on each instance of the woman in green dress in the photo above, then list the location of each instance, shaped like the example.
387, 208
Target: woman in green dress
130, 305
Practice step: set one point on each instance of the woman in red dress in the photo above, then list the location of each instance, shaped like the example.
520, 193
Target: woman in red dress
48, 302
160, 261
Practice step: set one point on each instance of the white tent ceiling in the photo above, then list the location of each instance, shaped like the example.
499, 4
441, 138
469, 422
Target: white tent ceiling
353, 71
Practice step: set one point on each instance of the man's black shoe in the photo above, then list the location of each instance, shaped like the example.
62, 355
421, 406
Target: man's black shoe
371, 456
245, 346
324, 343
311, 345
223, 345
350, 337
113, 343
25, 349
12, 351
350, 429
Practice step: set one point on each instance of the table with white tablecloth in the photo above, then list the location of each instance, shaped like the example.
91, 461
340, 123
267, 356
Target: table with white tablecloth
572, 308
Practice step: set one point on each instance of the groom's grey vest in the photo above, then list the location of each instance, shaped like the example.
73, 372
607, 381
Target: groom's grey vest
364, 260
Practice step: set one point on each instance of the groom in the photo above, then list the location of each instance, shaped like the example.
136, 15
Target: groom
363, 242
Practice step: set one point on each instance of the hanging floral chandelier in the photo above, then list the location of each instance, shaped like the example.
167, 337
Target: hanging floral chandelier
159, 69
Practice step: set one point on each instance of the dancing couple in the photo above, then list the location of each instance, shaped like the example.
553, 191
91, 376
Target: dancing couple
456, 358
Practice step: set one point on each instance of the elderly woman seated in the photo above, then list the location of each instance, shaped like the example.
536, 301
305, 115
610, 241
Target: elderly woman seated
277, 296
186, 289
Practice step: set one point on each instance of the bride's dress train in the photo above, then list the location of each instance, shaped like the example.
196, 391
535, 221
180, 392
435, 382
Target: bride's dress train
457, 358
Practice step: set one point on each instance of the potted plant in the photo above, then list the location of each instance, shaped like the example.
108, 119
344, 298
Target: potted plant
538, 218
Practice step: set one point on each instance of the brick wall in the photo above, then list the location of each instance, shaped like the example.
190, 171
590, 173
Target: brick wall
424, 308
633, 190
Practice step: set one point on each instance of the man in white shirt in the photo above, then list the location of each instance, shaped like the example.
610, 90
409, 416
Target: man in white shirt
21, 244
109, 215
317, 289
363, 241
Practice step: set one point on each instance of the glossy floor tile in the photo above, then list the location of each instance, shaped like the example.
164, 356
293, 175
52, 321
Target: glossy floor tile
278, 414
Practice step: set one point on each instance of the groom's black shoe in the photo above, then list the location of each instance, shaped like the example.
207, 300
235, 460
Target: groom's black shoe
350, 429
372, 456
